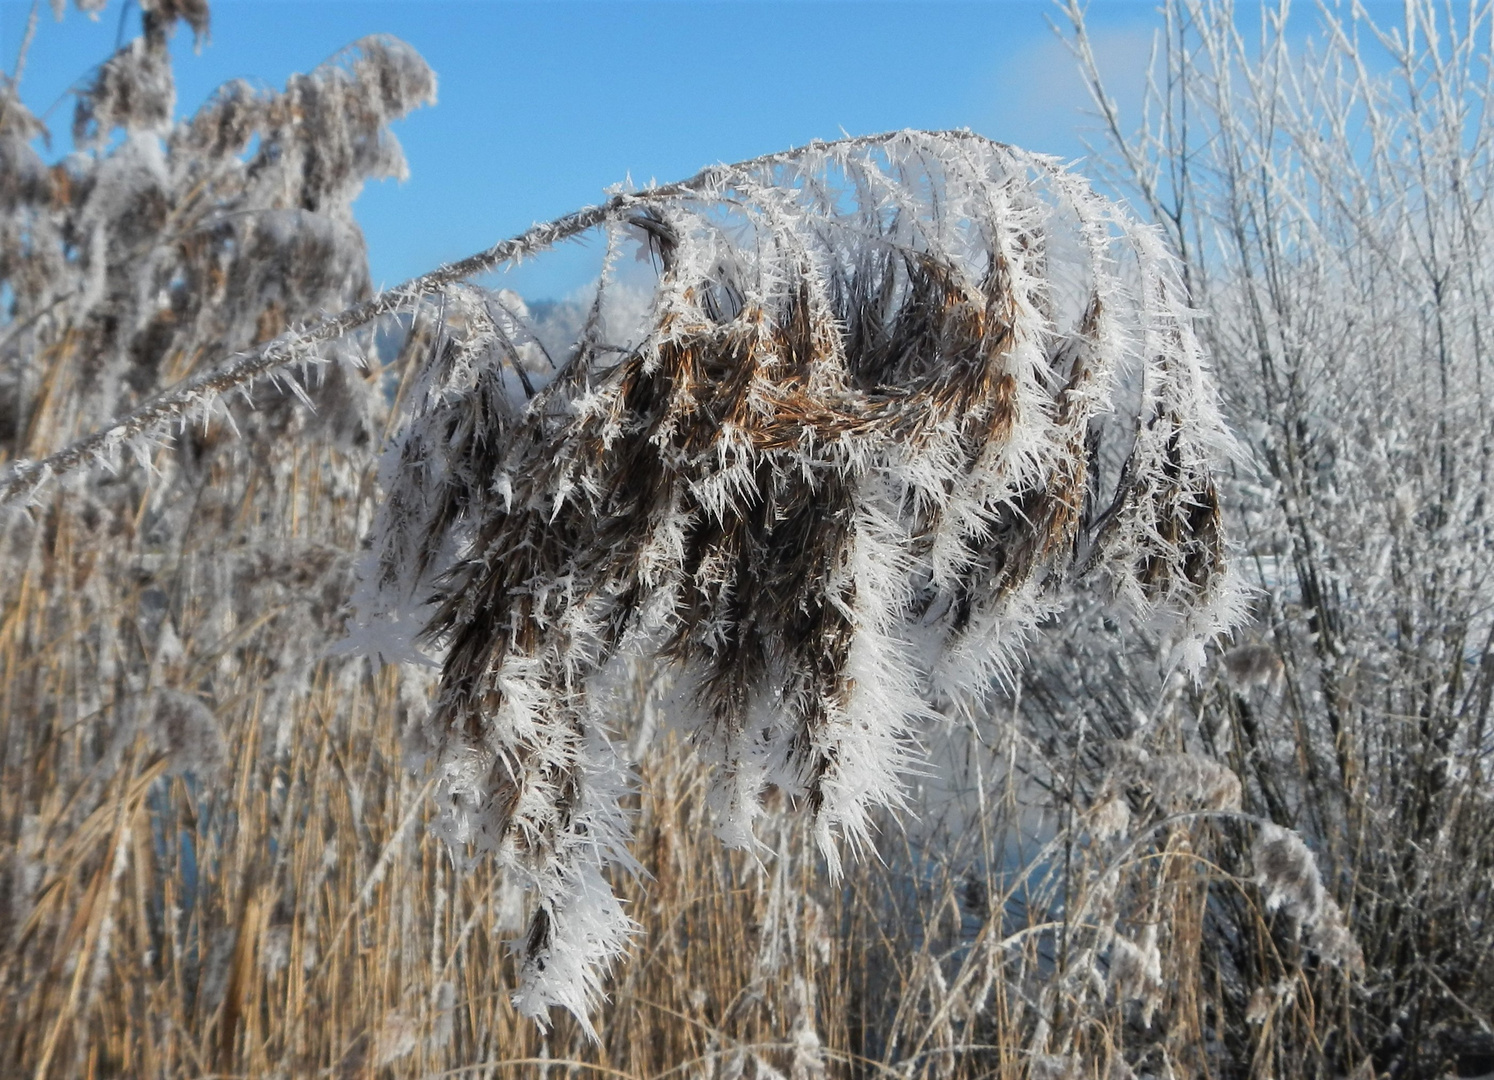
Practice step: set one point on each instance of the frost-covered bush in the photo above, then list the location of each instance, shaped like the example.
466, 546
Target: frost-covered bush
1329, 192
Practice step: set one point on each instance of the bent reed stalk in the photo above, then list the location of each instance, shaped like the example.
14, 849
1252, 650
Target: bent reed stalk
191, 399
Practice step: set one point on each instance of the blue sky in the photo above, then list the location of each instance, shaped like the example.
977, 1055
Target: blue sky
544, 104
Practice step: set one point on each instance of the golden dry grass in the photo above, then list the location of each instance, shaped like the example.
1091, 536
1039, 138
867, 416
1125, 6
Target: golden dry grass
290, 915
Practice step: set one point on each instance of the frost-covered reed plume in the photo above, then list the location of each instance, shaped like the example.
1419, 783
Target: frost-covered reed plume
164, 245
836, 471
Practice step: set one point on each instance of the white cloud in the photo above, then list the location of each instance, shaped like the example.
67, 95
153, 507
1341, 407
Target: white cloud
1038, 96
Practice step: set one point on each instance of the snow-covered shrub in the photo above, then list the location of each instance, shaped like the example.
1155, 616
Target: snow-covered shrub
1329, 192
